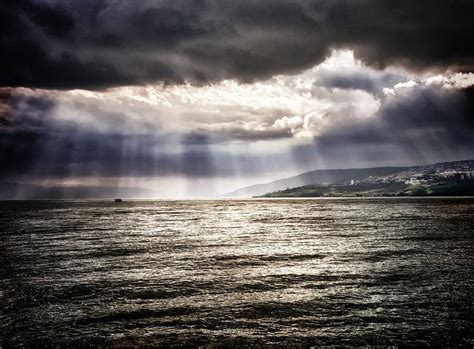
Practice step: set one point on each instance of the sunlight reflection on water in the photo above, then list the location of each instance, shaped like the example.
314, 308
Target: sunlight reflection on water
269, 272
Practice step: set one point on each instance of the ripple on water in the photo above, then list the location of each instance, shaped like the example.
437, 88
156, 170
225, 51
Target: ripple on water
288, 273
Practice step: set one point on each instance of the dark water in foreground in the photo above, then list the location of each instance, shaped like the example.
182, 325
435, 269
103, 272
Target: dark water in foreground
237, 273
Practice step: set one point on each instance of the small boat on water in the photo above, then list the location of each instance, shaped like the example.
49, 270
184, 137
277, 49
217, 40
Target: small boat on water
118, 200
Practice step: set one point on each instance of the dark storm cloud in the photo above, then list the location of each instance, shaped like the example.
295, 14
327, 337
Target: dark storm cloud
44, 154
208, 137
27, 56
22, 120
63, 153
358, 81
410, 33
243, 134
432, 123
95, 44
23, 111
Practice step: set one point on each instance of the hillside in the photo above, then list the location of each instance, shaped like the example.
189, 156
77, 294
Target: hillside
395, 175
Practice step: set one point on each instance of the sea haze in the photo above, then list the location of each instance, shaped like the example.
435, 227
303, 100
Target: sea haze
277, 273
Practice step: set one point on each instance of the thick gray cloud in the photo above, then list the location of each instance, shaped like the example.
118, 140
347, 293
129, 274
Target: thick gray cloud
358, 80
96, 44
423, 125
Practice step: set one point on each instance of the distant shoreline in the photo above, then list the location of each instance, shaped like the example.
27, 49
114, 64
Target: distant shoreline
256, 198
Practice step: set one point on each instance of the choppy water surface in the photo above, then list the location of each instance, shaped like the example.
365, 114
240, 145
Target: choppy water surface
237, 273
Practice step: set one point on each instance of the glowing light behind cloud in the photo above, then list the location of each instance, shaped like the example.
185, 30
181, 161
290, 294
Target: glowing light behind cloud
223, 135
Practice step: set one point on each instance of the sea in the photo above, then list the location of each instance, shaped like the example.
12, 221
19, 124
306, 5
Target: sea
257, 273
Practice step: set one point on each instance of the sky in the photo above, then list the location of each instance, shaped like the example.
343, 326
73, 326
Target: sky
172, 99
